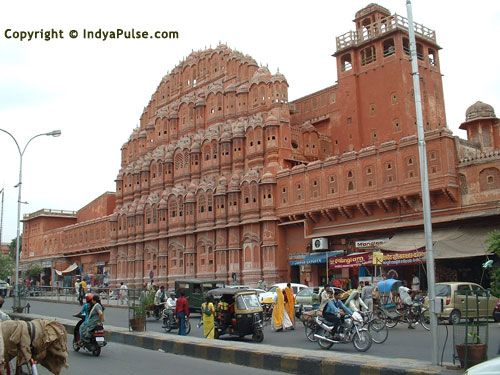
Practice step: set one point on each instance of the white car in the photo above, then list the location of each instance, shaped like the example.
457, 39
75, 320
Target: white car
270, 295
491, 367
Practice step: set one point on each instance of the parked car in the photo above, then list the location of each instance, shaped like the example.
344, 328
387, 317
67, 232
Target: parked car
270, 295
305, 296
453, 295
4, 288
496, 312
491, 367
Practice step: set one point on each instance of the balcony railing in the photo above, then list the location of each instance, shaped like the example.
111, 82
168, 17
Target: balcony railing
381, 27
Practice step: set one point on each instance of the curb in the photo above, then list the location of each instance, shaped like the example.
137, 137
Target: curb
261, 356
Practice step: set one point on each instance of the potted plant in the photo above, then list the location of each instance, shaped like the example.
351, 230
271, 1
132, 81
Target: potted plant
472, 352
138, 320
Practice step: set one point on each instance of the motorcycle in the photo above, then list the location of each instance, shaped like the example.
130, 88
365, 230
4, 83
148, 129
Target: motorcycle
350, 330
96, 342
170, 321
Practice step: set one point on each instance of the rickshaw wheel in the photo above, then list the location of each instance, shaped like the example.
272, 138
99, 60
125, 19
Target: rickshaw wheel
258, 336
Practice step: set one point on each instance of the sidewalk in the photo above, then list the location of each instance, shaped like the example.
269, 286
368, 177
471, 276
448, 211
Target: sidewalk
292, 360
71, 299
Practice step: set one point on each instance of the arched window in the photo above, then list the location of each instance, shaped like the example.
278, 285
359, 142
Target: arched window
389, 48
368, 55
346, 62
432, 57
489, 179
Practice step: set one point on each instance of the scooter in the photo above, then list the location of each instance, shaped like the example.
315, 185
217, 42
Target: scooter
96, 342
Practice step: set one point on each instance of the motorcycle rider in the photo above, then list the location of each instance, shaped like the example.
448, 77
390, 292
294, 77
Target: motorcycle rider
170, 307
335, 309
95, 316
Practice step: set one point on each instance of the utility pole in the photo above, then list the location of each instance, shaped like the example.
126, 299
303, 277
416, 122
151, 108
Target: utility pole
424, 183
1, 216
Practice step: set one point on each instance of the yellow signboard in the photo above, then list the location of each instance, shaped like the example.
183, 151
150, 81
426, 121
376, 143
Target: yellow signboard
378, 258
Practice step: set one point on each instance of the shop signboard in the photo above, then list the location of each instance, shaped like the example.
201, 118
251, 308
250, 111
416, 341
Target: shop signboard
403, 258
368, 259
370, 244
353, 260
378, 258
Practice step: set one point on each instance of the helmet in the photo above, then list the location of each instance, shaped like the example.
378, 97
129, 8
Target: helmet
88, 297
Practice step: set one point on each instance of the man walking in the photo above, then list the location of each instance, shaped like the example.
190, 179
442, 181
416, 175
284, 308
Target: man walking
123, 293
182, 312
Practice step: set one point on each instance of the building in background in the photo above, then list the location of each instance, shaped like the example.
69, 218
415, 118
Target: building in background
225, 176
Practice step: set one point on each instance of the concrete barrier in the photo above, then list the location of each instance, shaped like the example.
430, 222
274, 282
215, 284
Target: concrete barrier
292, 360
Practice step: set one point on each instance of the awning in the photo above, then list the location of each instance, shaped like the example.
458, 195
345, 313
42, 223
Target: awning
458, 242
316, 258
71, 268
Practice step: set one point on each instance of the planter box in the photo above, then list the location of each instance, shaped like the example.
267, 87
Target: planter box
138, 324
476, 353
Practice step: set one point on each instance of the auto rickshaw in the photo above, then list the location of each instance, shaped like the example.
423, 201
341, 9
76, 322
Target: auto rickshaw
239, 313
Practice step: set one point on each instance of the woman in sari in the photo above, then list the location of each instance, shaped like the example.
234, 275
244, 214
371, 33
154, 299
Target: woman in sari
208, 316
281, 319
290, 302
95, 316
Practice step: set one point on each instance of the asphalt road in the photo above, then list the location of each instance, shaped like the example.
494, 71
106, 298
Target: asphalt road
116, 359
401, 343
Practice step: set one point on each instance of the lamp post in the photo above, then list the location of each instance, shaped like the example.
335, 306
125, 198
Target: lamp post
424, 183
54, 133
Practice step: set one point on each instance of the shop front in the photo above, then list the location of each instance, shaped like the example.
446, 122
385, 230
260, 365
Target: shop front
373, 266
311, 268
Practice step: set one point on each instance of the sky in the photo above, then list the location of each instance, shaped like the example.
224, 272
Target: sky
94, 91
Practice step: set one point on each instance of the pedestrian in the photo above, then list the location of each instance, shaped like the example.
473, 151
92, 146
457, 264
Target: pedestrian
159, 300
3, 316
182, 312
367, 295
415, 283
81, 294
281, 320
208, 317
289, 299
123, 293
361, 284
77, 287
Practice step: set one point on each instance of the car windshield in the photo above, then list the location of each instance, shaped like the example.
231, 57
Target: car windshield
247, 301
273, 289
305, 292
443, 290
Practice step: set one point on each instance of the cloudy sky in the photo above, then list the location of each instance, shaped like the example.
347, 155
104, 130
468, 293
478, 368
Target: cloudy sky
94, 91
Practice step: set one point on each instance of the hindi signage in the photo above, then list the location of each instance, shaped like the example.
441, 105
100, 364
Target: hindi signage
386, 259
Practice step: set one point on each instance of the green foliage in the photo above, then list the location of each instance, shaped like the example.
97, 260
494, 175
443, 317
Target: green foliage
34, 270
493, 243
474, 338
6, 266
12, 247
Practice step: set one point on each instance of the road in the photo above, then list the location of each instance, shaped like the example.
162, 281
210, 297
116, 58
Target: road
402, 343
116, 359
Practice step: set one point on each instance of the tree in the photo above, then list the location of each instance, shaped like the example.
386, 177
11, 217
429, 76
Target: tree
34, 271
493, 243
12, 246
6, 266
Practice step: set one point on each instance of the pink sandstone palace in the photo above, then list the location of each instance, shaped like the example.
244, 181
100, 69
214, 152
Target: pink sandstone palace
226, 178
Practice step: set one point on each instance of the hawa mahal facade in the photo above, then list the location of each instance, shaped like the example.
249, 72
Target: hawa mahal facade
226, 178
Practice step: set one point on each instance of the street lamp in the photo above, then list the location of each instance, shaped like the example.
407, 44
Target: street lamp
54, 133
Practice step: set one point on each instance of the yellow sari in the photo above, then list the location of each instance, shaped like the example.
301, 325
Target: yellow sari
278, 310
290, 304
208, 321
